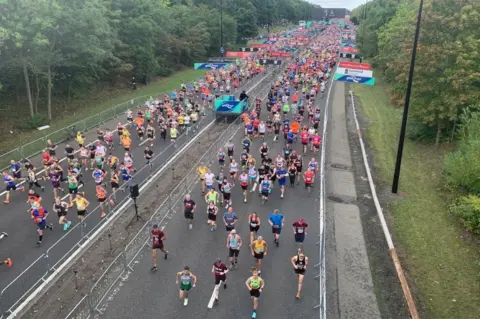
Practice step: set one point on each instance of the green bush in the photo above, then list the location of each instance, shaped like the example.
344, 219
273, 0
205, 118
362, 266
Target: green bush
417, 131
31, 123
467, 209
462, 167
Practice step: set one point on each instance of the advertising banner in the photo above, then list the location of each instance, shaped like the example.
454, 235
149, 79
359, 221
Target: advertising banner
270, 42
209, 66
280, 54
349, 50
243, 55
354, 79
259, 45
302, 39
227, 106
249, 49
269, 61
354, 65
356, 72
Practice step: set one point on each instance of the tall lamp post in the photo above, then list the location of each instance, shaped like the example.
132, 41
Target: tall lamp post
398, 164
222, 50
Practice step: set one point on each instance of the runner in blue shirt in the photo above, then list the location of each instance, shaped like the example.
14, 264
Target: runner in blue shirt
282, 179
230, 219
277, 222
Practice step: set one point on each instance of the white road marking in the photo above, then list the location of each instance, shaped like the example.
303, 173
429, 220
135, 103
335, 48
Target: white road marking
214, 295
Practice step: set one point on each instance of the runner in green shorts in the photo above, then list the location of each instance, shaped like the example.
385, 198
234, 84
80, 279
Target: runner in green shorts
187, 281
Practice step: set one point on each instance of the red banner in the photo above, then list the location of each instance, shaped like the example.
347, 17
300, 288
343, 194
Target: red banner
349, 50
280, 54
355, 65
272, 39
259, 45
243, 55
302, 38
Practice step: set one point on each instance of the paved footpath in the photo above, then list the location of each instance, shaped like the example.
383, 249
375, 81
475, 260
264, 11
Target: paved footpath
15, 220
350, 291
153, 295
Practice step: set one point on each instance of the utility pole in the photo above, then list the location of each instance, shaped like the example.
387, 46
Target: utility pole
401, 141
222, 50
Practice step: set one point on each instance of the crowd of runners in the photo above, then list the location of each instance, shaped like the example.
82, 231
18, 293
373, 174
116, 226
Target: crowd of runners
290, 115
107, 163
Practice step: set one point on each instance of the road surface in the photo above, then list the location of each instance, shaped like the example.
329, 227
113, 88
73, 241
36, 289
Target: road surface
20, 245
152, 295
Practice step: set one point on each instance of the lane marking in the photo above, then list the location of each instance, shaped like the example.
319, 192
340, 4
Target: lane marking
214, 296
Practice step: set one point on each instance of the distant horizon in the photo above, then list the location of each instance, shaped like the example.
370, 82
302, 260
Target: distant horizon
347, 4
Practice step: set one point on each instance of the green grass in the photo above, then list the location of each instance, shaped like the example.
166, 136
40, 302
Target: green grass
101, 102
441, 261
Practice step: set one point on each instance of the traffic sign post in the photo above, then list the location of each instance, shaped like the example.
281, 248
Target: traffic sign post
269, 61
222, 51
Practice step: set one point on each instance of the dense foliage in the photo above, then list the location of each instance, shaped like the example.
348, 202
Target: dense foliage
446, 85
447, 67
52, 51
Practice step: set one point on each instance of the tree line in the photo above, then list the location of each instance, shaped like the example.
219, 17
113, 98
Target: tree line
54, 51
446, 85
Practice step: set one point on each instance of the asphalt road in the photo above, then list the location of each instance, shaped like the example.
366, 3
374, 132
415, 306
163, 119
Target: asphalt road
20, 245
151, 295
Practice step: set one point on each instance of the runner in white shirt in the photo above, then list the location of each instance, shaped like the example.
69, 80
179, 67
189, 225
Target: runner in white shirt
209, 179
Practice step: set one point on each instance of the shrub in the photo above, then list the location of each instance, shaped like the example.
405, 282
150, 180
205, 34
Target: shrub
462, 167
467, 209
31, 123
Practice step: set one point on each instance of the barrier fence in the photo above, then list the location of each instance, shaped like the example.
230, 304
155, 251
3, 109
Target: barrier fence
43, 267
173, 204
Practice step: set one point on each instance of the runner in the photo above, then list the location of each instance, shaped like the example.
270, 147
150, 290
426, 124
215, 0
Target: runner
221, 157
258, 248
233, 170
7, 262
308, 178
230, 149
226, 190
230, 219
187, 281
82, 204
266, 188
254, 225
299, 263
277, 222
212, 211
234, 243
220, 270
40, 214
10, 185
243, 178
282, 179
300, 231
158, 236
148, 155
255, 285
61, 208
102, 197
189, 209
202, 170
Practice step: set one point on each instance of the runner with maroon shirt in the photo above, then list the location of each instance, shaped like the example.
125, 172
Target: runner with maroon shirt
158, 236
219, 270
299, 231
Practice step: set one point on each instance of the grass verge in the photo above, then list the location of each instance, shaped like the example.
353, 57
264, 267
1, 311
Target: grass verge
441, 260
101, 102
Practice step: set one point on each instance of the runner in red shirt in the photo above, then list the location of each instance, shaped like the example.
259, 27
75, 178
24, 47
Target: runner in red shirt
304, 138
308, 178
47, 160
299, 231
220, 270
316, 141
256, 123
158, 236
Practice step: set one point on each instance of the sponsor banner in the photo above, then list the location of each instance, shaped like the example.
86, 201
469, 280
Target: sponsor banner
269, 61
354, 65
349, 44
221, 60
280, 54
259, 45
209, 66
231, 54
302, 39
357, 72
228, 106
354, 79
270, 42
249, 49
349, 50
272, 39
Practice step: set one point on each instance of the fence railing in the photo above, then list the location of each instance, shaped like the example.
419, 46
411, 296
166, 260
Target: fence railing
43, 267
36, 146
91, 302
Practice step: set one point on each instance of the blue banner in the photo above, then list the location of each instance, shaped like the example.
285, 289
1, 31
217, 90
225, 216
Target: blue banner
209, 66
228, 106
270, 42
354, 79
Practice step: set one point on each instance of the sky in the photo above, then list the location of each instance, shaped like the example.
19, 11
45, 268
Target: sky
349, 4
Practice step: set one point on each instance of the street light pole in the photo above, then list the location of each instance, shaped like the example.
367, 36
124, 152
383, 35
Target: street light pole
398, 164
221, 28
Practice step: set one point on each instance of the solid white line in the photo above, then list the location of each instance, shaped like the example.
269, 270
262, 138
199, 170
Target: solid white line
79, 186
214, 295
18, 312
386, 231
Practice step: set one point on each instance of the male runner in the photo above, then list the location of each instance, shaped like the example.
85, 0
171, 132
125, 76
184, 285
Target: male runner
158, 236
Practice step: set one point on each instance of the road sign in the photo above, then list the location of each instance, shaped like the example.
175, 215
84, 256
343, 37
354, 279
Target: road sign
269, 61
222, 50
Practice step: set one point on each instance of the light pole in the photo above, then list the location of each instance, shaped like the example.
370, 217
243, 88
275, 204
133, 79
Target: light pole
222, 51
398, 164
